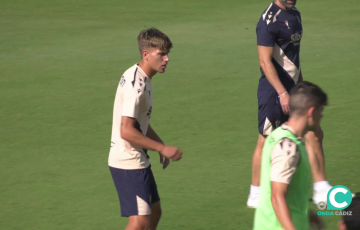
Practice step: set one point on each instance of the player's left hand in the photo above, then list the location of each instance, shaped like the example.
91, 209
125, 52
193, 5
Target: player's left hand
315, 221
164, 161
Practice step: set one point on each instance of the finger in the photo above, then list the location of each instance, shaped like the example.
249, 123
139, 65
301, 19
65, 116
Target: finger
178, 155
161, 159
288, 109
166, 163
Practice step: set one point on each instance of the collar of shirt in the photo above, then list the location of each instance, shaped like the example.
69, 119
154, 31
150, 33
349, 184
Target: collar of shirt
285, 126
141, 71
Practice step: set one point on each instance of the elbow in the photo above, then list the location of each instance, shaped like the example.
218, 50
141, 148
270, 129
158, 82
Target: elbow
264, 63
275, 199
124, 134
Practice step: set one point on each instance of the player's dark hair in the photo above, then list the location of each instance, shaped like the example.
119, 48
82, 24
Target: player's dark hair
353, 222
153, 38
306, 95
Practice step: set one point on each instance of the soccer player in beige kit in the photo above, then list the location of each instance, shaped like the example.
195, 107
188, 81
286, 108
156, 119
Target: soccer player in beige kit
132, 135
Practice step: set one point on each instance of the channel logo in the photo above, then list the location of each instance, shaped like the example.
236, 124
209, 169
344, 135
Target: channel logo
339, 197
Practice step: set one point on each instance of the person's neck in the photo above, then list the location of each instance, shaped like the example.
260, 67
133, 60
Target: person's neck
281, 5
147, 69
298, 125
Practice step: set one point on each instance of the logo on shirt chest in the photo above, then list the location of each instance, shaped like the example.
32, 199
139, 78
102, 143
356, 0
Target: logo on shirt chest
296, 38
122, 81
287, 24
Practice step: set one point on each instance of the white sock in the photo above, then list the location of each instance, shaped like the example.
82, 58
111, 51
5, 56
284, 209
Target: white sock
254, 190
322, 186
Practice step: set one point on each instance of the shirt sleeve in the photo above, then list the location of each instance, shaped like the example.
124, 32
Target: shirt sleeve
131, 101
285, 158
265, 36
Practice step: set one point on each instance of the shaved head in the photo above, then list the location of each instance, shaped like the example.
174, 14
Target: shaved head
304, 96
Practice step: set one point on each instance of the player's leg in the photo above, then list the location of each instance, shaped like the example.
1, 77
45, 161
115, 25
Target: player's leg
139, 223
134, 191
155, 201
317, 161
265, 108
155, 215
253, 198
270, 116
256, 161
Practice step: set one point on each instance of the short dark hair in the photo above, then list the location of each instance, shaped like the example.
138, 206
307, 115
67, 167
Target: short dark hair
153, 38
353, 222
304, 96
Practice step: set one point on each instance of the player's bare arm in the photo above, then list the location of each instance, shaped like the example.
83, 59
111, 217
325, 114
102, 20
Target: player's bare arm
153, 135
265, 57
131, 134
281, 208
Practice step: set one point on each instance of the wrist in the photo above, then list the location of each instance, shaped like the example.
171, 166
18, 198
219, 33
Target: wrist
160, 147
283, 94
281, 91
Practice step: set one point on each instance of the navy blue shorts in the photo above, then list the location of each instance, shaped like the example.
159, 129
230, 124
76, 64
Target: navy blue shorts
137, 190
270, 114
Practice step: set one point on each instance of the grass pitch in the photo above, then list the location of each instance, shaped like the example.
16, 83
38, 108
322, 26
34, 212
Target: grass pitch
61, 61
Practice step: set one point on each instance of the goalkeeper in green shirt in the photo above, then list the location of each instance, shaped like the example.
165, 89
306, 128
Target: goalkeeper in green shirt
285, 169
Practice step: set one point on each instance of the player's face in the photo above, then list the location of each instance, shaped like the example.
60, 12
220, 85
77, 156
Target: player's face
314, 117
158, 60
288, 4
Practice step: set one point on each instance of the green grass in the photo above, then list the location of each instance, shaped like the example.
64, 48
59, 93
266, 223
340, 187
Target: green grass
61, 61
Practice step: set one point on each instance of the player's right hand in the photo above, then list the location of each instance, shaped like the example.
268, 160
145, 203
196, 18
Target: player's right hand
284, 102
171, 152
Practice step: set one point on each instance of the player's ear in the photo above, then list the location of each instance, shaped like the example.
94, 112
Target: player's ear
144, 55
311, 111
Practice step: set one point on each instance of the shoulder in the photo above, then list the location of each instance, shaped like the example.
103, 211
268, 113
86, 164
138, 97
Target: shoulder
285, 159
132, 81
286, 147
296, 12
268, 17
130, 73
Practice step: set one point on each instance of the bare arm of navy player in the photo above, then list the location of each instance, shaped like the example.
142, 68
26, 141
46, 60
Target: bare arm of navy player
132, 135
267, 33
284, 160
265, 59
153, 135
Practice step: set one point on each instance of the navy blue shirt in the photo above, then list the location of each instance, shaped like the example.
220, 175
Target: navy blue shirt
282, 30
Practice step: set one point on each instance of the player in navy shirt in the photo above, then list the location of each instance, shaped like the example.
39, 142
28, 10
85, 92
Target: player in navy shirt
279, 32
